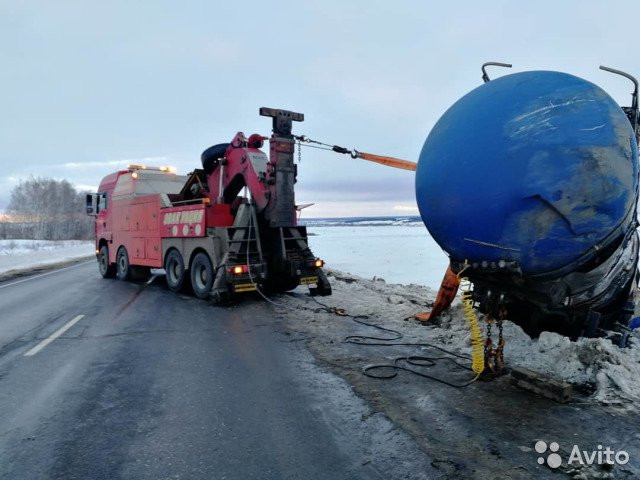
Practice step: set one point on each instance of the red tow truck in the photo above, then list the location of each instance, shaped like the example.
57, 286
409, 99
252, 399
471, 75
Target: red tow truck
226, 228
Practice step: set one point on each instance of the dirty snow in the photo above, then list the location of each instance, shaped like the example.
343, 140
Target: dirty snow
26, 254
613, 374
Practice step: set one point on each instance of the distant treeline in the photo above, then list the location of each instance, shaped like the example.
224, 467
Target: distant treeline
46, 209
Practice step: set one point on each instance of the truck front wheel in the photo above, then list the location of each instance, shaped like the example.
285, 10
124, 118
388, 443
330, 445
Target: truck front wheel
107, 270
201, 275
123, 268
175, 272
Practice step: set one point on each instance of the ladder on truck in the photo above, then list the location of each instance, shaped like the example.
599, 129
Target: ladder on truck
243, 248
295, 244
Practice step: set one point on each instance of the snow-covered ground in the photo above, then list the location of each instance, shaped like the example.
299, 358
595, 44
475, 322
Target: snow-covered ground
25, 254
612, 373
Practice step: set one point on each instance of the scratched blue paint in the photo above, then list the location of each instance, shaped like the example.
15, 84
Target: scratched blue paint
534, 167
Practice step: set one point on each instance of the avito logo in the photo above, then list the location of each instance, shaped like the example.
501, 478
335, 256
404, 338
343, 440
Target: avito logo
600, 456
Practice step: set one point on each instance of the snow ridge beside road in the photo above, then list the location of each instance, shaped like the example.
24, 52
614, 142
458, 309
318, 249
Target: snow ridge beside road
594, 364
23, 255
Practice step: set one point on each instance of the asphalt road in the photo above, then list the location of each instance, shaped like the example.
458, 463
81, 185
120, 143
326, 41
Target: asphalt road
101, 379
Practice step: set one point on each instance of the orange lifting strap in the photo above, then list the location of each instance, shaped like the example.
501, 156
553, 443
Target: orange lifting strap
389, 161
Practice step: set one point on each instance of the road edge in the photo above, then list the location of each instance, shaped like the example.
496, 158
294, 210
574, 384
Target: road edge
25, 272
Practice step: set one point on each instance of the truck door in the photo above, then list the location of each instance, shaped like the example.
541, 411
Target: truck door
103, 218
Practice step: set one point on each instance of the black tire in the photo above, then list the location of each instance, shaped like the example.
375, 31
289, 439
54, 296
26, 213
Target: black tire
107, 270
201, 275
211, 156
176, 275
123, 268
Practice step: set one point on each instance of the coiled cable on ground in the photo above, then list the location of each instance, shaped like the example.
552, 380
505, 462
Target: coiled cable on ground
386, 371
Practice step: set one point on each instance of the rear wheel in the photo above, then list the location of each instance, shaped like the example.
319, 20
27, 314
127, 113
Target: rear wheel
175, 272
123, 268
107, 270
201, 275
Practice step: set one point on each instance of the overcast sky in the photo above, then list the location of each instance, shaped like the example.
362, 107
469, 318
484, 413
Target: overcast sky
90, 86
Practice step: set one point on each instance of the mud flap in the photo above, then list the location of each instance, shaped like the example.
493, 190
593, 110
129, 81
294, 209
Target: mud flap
221, 298
323, 287
220, 294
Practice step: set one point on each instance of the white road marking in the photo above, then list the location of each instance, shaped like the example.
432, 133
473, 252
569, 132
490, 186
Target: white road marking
53, 336
44, 274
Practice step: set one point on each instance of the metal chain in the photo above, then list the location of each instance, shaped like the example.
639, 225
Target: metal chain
502, 314
489, 351
494, 355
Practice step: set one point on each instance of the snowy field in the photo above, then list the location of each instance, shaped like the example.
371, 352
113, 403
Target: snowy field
399, 250
23, 254
398, 253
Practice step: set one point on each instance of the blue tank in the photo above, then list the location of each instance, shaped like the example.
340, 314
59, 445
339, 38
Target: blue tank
536, 168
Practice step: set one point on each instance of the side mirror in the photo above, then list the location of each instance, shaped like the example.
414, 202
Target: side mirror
92, 204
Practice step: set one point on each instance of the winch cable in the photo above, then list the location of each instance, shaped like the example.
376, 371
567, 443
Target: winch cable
381, 159
401, 363
255, 284
389, 341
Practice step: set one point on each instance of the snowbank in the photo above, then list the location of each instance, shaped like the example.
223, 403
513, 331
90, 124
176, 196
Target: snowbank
27, 254
612, 373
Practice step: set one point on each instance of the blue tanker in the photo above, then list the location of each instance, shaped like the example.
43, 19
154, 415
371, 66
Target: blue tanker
531, 181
